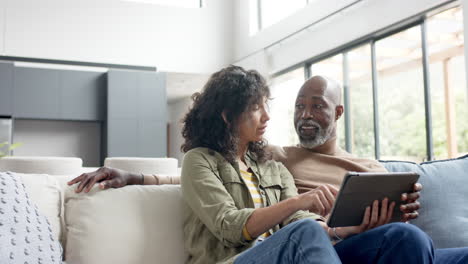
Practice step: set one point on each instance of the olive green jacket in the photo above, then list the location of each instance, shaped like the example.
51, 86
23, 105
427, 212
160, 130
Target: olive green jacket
219, 203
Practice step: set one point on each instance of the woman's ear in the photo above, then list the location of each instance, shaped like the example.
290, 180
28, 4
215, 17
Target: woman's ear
223, 115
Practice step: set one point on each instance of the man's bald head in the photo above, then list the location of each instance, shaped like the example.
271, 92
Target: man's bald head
331, 88
318, 107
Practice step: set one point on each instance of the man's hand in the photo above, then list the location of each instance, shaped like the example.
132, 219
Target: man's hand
411, 205
320, 200
106, 177
372, 218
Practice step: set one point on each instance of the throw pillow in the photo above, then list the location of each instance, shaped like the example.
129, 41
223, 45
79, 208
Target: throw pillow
25, 234
443, 214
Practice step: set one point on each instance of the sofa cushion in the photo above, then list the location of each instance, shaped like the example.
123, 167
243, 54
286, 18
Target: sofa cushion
163, 166
25, 233
47, 195
443, 214
133, 224
45, 165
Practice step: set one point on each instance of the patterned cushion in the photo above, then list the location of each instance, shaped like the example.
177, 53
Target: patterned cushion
443, 214
25, 235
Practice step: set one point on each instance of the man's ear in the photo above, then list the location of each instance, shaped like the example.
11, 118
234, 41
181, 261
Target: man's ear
338, 112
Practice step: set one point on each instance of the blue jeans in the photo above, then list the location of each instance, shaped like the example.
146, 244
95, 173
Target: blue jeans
303, 241
306, 242
397, 243
391, 243
451, 255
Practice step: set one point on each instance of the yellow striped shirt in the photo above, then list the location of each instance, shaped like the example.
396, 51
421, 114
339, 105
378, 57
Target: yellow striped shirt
252, 184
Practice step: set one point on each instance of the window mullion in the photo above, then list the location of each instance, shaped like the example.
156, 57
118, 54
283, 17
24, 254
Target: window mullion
346, 103
375, 99
427, 92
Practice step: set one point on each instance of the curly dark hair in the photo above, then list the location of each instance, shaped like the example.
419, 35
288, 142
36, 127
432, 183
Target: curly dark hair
231, 91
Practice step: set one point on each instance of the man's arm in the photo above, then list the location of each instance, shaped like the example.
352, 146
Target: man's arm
155, 179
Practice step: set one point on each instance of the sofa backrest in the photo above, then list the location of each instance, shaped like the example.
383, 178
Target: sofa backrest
443, 214
44, 165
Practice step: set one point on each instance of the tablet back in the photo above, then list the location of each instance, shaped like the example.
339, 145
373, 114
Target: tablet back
360, 189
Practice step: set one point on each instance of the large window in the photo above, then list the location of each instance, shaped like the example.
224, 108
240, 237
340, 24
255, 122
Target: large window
359, 70
448, 84
275, 11
401, 96
264, 13
411, 81
284, 89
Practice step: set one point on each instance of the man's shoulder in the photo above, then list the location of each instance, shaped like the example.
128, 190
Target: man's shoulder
280, 153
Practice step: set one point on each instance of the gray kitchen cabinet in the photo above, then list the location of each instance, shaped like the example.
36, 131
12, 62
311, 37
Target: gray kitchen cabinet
136, 114
36, 93
6, 89
82, 95
59, 94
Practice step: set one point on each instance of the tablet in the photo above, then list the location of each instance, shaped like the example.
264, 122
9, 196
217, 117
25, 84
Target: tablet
360, 189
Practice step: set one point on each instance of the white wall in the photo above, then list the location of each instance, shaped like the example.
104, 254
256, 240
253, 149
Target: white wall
362, 18
111, 31
60, 139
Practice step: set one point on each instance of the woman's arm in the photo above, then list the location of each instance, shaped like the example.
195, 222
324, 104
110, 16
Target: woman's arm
291, 207
263, 219
204, 192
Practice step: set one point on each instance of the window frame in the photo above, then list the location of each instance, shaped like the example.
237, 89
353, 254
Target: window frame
419, 20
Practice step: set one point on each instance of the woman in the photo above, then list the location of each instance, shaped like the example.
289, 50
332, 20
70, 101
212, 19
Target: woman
244, 208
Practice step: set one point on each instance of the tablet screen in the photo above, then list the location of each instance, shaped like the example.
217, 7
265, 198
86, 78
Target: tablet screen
360, 189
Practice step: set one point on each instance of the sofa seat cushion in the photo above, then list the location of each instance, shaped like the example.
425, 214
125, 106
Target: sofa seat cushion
25, 233
133, 224
443, 214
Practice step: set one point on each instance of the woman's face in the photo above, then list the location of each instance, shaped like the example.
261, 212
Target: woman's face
253, 122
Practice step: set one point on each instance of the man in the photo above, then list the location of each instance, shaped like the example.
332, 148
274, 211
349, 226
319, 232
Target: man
318, 162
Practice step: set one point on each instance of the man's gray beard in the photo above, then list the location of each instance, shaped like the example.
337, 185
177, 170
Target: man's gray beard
322, 135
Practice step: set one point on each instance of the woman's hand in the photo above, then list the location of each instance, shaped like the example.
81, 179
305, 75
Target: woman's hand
106, 177
372, 218
319, 200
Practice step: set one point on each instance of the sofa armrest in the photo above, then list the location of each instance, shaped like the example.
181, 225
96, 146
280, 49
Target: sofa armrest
133, 224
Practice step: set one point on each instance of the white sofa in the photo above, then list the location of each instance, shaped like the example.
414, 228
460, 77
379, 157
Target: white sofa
134, 224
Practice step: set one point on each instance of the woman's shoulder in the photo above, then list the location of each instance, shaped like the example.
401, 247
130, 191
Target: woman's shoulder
202, 153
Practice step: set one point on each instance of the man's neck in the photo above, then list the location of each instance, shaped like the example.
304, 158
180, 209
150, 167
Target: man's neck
327, 148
